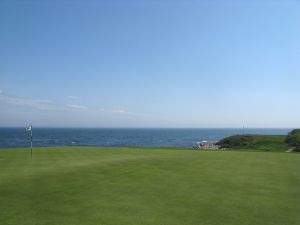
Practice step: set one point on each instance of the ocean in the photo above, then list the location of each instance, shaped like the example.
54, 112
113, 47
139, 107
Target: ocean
18, 137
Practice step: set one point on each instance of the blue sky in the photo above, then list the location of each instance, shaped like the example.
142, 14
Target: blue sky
150, 63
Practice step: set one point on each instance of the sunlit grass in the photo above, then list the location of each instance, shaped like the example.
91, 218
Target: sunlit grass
135, 186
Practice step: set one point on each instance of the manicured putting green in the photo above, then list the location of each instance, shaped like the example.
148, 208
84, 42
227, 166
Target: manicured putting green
136, 186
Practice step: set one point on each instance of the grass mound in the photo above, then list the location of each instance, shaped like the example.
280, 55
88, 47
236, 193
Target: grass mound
255, 142
125, 186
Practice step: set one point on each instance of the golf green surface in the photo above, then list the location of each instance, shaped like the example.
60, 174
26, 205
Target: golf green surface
138, 186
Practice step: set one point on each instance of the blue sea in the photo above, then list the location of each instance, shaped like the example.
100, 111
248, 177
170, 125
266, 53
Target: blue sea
18, 137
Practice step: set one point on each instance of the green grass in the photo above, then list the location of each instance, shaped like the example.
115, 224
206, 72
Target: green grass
135, 186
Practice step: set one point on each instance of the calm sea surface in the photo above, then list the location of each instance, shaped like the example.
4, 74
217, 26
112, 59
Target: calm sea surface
18, 137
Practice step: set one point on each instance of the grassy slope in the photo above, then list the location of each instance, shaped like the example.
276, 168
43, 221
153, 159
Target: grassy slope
272, 143
146, 186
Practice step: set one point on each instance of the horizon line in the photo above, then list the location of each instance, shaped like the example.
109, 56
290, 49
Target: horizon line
90, 127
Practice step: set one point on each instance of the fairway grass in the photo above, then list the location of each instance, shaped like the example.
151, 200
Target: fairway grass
135, 186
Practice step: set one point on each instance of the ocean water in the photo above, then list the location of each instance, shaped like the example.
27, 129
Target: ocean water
18, 137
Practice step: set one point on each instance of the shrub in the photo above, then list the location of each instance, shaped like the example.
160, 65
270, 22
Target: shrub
293, 138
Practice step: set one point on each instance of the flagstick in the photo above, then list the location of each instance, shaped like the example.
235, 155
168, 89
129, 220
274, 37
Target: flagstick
30, 129
31, 142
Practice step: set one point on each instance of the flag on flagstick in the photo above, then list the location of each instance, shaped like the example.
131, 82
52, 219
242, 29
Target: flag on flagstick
30, 129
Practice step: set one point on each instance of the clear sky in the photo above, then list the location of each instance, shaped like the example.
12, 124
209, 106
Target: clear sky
155, 63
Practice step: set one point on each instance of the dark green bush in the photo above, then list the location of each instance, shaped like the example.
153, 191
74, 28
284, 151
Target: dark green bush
293, 138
